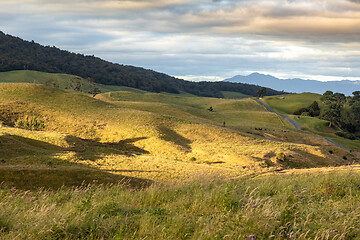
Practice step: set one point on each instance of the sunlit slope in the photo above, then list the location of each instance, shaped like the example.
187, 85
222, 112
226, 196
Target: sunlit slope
154, 136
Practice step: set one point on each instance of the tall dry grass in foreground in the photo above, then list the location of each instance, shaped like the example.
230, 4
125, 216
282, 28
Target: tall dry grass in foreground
298, 206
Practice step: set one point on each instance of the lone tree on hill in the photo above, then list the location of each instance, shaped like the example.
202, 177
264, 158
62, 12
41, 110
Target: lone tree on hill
262, 91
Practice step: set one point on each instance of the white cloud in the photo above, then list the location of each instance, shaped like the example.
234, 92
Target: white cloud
200, 37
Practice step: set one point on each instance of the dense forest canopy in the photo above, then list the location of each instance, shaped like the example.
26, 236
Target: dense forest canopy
17, 54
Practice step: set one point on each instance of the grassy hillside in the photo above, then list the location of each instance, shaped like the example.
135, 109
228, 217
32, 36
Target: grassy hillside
140, 165
288, 104
234, 95
155, 136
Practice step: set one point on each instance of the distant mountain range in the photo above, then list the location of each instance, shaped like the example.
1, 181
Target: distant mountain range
17, 54
297, 85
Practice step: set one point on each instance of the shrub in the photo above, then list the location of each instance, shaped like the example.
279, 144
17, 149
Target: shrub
347, 135
31, 124
193, 159
281, 156
19, 123
300, 111
313, 110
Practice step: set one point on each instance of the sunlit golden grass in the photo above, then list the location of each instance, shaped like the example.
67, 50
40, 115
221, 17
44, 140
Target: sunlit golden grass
160, 137
137, 165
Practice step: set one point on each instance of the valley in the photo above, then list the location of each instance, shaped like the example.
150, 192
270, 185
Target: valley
189, 120
156, 136
150, 144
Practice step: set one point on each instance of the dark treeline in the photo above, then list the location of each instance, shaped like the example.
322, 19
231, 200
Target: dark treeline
17, 54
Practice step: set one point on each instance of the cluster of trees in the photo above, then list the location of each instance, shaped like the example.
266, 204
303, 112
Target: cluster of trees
17, 54
261, 92
343, 112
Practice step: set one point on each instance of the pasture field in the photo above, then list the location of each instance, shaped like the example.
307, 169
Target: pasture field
130, 164
288, 104
157, 137
234, 95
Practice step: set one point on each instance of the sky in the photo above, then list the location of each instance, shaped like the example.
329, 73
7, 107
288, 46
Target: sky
200, 39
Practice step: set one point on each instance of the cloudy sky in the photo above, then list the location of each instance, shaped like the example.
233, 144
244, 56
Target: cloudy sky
200, 39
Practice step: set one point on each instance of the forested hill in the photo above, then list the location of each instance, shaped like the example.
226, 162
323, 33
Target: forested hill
17, 54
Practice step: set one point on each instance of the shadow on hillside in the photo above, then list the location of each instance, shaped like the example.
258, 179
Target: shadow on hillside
27, 163
18, 146
303, 159
87, 149
132, 170
29, 178
170, 135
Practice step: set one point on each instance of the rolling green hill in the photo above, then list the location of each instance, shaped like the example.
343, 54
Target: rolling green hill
154, 136
140, 165
289, 103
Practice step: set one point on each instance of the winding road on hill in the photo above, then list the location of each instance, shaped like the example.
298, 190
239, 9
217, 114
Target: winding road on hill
296, 125
291, 121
